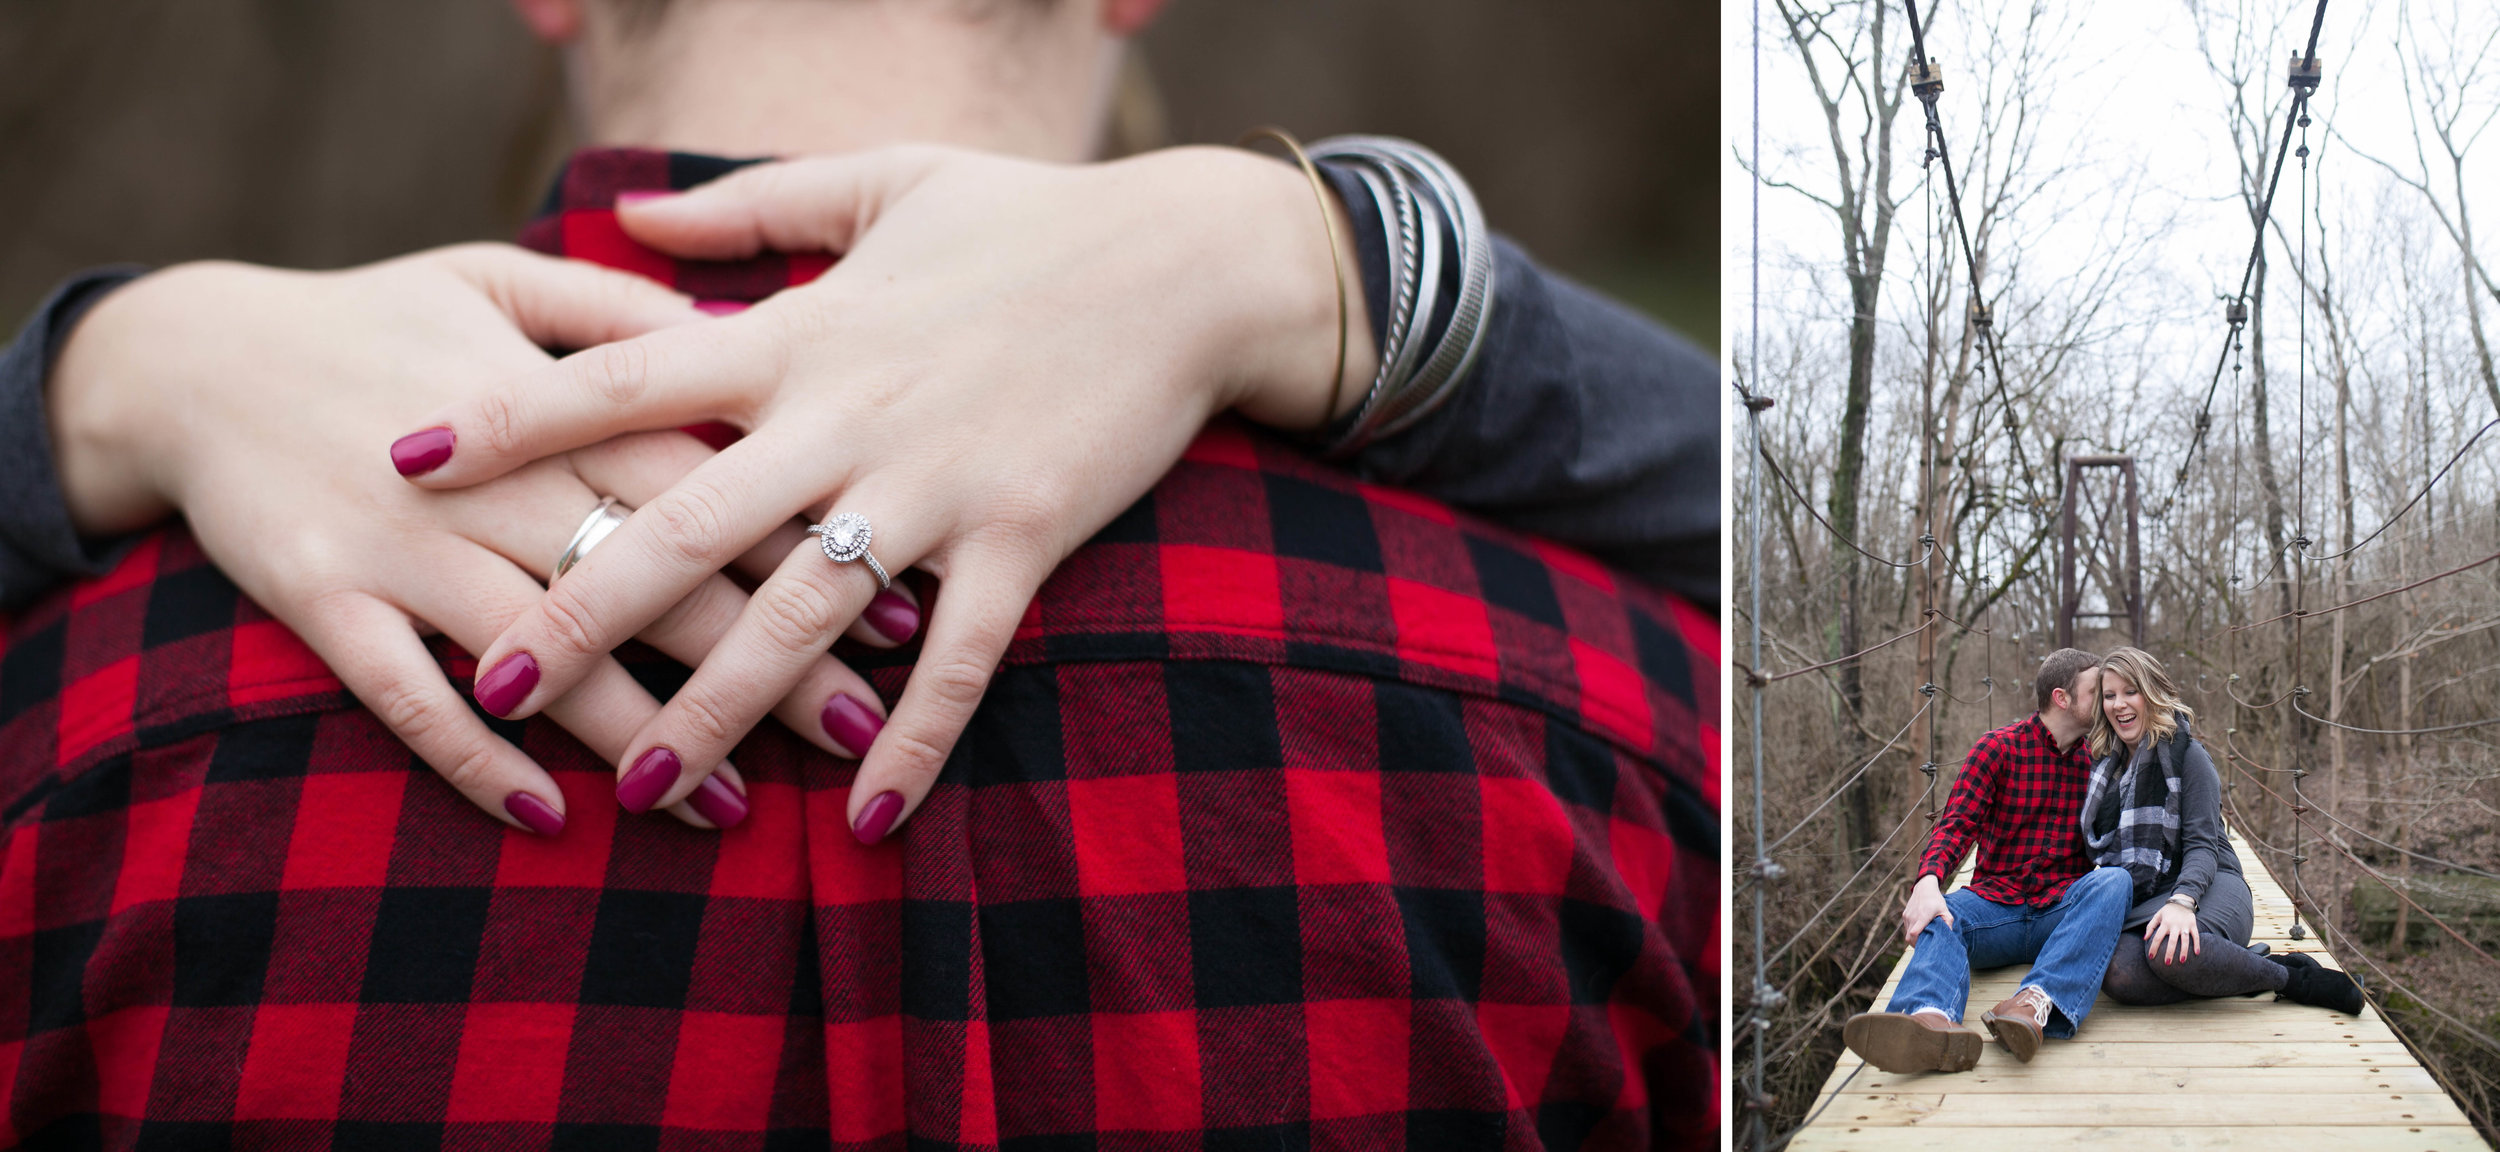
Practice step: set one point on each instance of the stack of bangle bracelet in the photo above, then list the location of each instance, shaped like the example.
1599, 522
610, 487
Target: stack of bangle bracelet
1441, 281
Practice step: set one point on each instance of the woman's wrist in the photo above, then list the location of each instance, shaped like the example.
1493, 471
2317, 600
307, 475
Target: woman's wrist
97, 417
1284, 342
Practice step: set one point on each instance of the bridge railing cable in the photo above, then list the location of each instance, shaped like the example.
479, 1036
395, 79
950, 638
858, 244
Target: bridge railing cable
2248, 272
2314, 613
1837, 790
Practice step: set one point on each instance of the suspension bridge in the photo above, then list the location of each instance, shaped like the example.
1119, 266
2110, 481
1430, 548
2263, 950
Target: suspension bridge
2226, 1073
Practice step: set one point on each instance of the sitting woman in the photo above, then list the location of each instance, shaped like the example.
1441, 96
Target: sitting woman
2154, 807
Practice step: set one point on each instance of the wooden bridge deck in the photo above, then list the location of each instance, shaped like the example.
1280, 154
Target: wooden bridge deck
2234, 1073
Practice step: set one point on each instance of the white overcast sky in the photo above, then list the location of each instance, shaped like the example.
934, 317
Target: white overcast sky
2135, 97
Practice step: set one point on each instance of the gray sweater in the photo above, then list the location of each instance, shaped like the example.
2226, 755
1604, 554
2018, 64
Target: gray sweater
2204, 850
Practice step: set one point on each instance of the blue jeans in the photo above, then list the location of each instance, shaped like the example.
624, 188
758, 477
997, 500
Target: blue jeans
2068, 944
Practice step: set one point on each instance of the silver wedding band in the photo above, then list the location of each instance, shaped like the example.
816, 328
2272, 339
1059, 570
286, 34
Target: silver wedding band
844, 538
595, 528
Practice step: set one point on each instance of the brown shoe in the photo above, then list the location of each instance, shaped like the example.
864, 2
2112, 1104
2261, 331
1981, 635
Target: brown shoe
1911, 1042
2021, 1022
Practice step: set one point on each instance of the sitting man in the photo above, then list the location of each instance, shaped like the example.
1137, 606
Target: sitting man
2034, 897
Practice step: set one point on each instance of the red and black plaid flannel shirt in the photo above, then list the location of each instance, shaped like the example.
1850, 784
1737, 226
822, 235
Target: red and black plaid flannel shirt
1301, 814
2019, 798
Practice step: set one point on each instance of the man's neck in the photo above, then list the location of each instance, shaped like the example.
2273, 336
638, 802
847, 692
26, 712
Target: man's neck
2063, 729
770, 77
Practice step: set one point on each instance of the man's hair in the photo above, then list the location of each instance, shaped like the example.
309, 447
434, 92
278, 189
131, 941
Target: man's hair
2059, 671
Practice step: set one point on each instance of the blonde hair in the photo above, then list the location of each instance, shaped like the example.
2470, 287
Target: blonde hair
2162, 707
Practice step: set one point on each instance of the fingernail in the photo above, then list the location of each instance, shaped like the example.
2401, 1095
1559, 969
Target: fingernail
641, 196
877, 818
505, 685
649, 779
534, 814
721, 307
894, 617
850, 723
418, 453
718, 802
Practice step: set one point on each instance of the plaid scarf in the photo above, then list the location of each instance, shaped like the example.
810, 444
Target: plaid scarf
2131, 811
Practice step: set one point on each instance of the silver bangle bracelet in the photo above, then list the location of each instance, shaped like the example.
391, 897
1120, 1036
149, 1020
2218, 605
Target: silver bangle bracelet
1450, 360
1438, 222
1394, 204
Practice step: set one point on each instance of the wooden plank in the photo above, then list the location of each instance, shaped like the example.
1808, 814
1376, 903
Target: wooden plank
2238, 1072
2202, 1053
2450, 1138
2259, 1019
2085, 1060
2282, 1027
2137, 1110
2107, 1076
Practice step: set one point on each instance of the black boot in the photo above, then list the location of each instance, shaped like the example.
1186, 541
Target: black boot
2294, 960
2323, 988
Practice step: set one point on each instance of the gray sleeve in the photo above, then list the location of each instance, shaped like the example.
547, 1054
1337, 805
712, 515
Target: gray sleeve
1582, 422
38, 547
2201, 839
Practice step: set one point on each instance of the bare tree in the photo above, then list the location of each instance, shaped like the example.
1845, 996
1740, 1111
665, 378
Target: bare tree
1842, 45
2452, 94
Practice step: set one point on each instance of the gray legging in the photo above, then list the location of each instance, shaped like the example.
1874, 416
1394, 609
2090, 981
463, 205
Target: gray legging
2221, 967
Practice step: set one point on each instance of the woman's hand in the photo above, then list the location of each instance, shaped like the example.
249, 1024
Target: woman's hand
260, 402
1007, 356
2172, 936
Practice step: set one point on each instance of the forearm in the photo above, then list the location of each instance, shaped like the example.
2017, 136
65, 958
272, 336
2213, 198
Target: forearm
39, 543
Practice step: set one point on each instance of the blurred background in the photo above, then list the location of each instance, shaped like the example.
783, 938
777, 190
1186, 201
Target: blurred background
319, 133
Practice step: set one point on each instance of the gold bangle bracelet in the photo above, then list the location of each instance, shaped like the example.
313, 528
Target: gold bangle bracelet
1336, 263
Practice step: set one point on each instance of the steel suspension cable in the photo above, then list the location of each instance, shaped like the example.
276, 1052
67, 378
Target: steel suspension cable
2248, 272
1753, 421
1953, 195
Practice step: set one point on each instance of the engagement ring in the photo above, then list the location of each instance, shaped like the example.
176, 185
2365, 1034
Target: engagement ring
845, 538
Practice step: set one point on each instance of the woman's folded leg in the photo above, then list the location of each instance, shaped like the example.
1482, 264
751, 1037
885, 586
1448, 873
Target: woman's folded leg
2219, 967
2130, 978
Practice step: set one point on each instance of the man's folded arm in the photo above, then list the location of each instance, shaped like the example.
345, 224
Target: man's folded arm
1582, 421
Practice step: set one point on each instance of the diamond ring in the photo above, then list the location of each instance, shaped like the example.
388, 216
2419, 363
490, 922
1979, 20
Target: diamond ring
845, 538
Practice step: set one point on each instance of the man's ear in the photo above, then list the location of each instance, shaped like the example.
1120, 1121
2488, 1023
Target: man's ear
1122, 18
554, 21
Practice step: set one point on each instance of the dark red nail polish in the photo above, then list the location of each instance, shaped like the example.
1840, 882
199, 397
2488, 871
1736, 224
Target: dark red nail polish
505, 685
721, 307
719, 803
649, 779
642, 196
895, 618
850, 723
534, 814
418, 453
878, 817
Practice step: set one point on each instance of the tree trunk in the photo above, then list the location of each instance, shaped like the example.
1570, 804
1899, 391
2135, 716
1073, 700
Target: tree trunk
1865, 284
